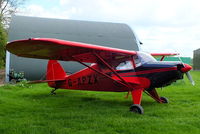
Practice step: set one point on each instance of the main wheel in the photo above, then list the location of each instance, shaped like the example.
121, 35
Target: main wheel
164, 100
137, 109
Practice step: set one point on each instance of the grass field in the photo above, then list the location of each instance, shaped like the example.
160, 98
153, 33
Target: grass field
29, 109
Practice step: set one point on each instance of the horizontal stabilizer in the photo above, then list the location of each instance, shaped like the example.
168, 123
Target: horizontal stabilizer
44, 81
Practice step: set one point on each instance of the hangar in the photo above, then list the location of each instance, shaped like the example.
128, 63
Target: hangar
196, 59
116, 35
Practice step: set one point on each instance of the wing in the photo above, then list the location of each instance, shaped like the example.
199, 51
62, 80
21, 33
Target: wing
164, 54
47, 48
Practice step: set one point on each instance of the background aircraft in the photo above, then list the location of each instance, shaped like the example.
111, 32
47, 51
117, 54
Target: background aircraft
112, 69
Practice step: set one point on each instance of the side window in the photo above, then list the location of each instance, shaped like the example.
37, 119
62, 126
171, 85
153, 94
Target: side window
137, 60
125, 65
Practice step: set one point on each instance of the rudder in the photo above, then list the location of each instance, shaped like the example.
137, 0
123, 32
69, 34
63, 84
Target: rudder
54, 73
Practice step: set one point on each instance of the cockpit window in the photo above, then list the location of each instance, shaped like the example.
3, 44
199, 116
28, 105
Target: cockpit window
139, 59
145, 57
142, 58
125, 65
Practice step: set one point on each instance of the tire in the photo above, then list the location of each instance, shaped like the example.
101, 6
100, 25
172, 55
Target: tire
137, 109
164, 100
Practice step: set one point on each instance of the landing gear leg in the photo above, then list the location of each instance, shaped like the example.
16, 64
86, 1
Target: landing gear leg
53, 91
153, 93
137, 97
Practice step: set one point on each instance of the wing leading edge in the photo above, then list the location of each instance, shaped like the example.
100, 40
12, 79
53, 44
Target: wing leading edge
55, 49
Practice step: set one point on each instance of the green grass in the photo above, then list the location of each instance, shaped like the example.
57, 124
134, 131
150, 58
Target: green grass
29, 109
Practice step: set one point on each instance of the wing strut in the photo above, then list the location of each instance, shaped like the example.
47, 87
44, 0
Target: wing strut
75, 59
162, 58
111, 69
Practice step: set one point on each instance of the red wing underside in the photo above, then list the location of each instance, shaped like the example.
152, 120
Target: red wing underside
164, 54
45, 48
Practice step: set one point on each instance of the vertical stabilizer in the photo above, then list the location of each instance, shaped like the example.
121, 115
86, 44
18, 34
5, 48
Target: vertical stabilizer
55, 71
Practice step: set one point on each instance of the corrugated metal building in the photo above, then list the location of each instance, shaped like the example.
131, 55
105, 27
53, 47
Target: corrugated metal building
116, 35
196, 59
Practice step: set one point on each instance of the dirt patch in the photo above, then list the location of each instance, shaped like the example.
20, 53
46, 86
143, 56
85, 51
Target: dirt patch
2, 76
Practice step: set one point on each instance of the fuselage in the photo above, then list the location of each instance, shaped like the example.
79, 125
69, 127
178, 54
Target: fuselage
143, 71
152, 75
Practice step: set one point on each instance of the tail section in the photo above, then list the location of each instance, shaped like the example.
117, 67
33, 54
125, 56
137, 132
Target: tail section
55, 73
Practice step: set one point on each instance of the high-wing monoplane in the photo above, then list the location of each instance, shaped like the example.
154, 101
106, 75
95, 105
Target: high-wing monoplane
111, 69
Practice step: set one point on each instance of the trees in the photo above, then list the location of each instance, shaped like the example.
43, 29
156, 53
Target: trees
8, 8
3, 40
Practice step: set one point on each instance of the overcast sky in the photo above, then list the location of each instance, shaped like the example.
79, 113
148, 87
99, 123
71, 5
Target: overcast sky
162, 25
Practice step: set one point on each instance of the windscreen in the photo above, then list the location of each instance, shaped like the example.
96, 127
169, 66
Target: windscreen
142, 58
139, 59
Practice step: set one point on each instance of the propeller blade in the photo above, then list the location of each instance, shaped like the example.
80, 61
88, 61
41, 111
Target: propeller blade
190, 78
187, 73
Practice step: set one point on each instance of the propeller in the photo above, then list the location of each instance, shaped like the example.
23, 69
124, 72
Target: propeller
186, 70
190, 78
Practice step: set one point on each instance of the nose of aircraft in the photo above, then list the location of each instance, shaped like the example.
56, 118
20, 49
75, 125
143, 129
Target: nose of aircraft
186, 68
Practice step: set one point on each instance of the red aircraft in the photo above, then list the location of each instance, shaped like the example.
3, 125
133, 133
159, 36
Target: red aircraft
112, 69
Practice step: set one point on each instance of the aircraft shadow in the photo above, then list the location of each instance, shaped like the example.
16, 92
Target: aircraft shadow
63, 98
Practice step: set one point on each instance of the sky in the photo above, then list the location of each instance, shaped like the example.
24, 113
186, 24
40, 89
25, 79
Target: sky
161, 25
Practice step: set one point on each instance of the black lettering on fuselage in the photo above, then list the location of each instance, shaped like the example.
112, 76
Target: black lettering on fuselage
95, 79
70, 83
79, 81
83, 80
89, 79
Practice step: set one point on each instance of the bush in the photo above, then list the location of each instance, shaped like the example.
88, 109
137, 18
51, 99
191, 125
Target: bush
2, 63
3, 41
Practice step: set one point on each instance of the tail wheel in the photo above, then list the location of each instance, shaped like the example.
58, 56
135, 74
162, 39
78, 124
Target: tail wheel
53, 91
137, 109
164, 100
